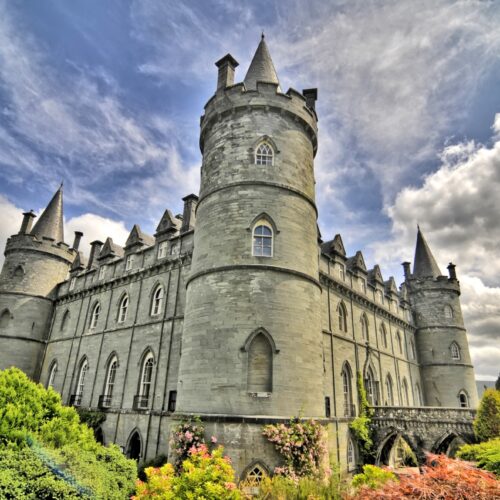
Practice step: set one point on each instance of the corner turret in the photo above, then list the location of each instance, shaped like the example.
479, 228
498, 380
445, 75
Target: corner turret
441, 337
36, 261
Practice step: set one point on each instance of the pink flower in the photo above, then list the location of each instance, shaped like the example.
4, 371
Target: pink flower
230, 486
188, 435
213, 439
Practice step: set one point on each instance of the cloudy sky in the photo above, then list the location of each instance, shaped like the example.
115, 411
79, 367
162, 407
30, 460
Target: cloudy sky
107, 97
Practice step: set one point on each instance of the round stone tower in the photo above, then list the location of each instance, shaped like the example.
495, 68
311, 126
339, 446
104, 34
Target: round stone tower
36, 260
442, 346
251, 346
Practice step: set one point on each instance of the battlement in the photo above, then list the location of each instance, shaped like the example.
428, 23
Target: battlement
30, 243
267, 96
442, 283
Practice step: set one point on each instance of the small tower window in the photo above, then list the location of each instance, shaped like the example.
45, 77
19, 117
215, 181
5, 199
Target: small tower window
463, 399
5, 318
52, 374
263, 241
448, 312
260, 365
172, 400
122, 312
19, 272
95, 316
264, 154
328, 410
157, 302
455, 351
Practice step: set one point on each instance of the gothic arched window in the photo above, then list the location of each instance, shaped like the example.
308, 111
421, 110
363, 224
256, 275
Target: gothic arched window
383, 334
412, 349
364, 328
347, 390
145, 382
351, 457
389, 390
463, 399
134, 446
260, 364
110, 379
256, 473
404, 387
64, 321
264, 154
262, 240
342, 314
400, 342
157, 301
5, 318
371, 387
52, 374
94, 317
455, 351
122, 309
418, 394
80, 384
448, 312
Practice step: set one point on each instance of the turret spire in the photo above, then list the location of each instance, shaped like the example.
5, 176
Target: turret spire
261, 68
425, 264
50, 223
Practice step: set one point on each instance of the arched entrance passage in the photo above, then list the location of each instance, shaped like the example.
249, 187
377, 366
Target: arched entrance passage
134, 446
99, 435
448, 444
395, 451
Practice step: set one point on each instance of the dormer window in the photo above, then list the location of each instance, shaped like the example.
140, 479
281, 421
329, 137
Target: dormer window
162, 249
129, 262
264, 154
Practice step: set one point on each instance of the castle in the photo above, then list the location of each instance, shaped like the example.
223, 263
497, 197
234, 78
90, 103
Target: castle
236, 310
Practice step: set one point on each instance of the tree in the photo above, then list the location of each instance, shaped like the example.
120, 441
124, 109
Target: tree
47, 453
487, 422
497, 383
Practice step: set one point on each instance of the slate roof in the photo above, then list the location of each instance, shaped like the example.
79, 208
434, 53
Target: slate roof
261, 68
50, 223
425, 264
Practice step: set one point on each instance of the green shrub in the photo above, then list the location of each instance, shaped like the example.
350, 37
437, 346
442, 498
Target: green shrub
49, 436
487, 422
486, 455
156, 462
203, 475
373, 477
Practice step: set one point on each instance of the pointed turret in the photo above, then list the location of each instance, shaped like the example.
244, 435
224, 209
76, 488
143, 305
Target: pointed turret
261, 68
425, 264
50, 223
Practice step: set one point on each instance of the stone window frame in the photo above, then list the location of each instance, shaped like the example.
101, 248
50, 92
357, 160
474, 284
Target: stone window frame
389, 389
342, 316
147, 355
82, 373
413, 352
347, 395
255, 479
399, 341
418, 391
448, 311
266, 141
263, 219
129, 262
19, 271
64, 320
110, 371
455, 351
246, 348
123, 306
371, 385
384, 336
405, 392
158, 287
135, 431
162, 250
350, 454
365, 327
5, 318
463, 398
94, 315
102, 273
72, 284
52, 373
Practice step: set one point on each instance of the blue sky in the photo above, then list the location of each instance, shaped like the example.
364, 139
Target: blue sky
107, 97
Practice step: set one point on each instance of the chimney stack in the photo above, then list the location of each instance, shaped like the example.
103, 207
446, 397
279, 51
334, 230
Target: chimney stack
95, 248
27, 222
406, 270
311, 96
451, 271
76, 241
226, 67
189, 213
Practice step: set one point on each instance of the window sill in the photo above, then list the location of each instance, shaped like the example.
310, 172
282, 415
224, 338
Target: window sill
260, 394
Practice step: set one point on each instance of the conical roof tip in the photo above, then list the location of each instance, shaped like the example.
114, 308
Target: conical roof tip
50, 223
425, 264
261, 68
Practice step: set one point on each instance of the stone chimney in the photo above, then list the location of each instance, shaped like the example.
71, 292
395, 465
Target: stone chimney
95, 248
76, 241
311, 96
226, 67
406, 270
452, 272
28, 218
189, 213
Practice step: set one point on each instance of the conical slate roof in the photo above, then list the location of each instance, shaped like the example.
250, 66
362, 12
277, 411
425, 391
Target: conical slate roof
50, 223
261, 68
425, 264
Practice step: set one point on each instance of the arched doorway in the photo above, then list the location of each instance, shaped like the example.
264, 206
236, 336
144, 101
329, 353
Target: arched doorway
99, 435
449, 444
134, 446
396, 452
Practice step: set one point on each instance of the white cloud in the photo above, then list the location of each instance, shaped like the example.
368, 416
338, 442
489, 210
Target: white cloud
10, 222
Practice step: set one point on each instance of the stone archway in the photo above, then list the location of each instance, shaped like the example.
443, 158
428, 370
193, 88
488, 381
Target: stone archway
134, 446
448, 444
396, 451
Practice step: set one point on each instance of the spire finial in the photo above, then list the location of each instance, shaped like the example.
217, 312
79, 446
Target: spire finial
262, 36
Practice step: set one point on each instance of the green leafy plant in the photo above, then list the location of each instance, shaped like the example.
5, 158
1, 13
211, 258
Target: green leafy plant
360, 426
203, 475
487, 421
486, 455
372, 477
302, 444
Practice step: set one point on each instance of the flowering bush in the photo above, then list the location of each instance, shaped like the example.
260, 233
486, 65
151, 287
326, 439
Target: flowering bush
186, 436
204, 475
442, 478
302, 444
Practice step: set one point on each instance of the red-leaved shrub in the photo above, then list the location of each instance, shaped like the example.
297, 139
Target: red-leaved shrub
442, 478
